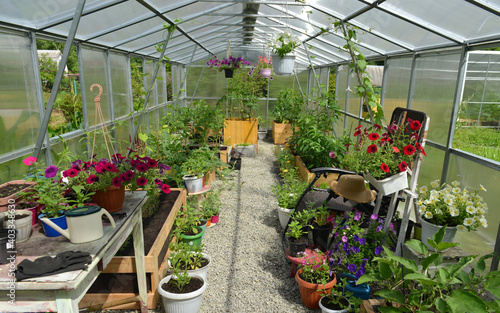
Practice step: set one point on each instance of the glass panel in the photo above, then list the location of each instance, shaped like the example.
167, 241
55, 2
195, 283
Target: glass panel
397, 84
161, 82
15, 169
121, 84
471, 175
341, 88
153, 121
127, 33
212, 83
95, 71
149, 71
20, 119
76, 147
432, 165
435, 83
354, 101
281, 82
123, 132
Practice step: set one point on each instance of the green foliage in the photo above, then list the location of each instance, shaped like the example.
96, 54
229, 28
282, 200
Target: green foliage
48, 70
343, 298
289, 106
295, 230
433, 287
72, 63
314, 269
481, 141
186, 221
206, 118
211, 205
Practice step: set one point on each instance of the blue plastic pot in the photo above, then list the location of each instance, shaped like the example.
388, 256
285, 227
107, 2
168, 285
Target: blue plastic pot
59, 221
359, 291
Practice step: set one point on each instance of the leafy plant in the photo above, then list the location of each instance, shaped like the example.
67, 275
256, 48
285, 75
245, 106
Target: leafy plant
206, 119
211, 205
295, 230
433, 287
315, 269
289, 106
186, 221
284, 43
340, 296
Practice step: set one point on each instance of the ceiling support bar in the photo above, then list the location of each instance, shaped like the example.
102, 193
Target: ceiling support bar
150, 89
199, 80
57, 81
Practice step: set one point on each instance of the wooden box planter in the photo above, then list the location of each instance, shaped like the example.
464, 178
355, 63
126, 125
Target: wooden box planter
371, 305
307, 176
241, 131
4, 202
119, 274
281, 132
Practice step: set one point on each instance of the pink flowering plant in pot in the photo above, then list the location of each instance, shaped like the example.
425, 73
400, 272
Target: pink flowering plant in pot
354, 246
230, 63
384, 152
131, 172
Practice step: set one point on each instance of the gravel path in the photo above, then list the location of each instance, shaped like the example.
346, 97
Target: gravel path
249, 272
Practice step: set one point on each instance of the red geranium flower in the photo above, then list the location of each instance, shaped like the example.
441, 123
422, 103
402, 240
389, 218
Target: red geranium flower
92, 179
165, 188
403, 166
357, 133
117, 182
142, 181
359, 126
385, 167
372, 148
142, 167
373, 136
409, 150
415, 125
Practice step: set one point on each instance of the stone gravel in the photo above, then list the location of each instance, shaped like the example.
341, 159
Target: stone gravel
249, 272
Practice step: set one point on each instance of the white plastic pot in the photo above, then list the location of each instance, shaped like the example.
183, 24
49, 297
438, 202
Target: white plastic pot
22, 225
193, 183
181, 302
285, 65
284, 216
202, 272
326, 310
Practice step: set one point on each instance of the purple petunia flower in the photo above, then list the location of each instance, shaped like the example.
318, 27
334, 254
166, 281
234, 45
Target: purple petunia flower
360, 273
374, 217
378, 250
355, 249
355, 238
51, 171
76, 163
357, 216
362, 241
344, 238
352, 268
379, 228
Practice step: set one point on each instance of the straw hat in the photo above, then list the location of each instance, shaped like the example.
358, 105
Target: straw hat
353, 187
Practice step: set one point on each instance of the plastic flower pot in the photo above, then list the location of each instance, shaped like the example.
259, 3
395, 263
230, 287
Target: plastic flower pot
228, 73
320, 236
311, 293
284, 216
295, 246
429, 229
193, 183
59, 221
22, 224
202, 272
181, 302
285, 65
203, 225
214, 219
323, 303
110, 199
194, 240
265, 72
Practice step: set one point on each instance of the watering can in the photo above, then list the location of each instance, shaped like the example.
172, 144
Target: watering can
84, 224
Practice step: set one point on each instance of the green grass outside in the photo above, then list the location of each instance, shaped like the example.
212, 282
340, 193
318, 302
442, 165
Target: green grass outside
484, 142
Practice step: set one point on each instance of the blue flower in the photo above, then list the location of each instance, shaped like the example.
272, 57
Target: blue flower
378, 250
352, 267
355, 238
362, 241
355, 249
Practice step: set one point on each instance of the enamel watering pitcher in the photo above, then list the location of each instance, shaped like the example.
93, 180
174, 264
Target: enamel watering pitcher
84, 224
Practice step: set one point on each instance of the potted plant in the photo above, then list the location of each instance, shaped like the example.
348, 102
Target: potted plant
287, 195
228, 65
20, 220
297, 241
261, 132
180, 291
340, 299
287, 109
321, 226
283, 45
189, 258
211, 206
450, 206
245, 149
265, 66
186, 225
434, 287
314, 278
384, 155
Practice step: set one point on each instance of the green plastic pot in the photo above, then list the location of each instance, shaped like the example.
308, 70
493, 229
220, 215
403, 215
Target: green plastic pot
195, 240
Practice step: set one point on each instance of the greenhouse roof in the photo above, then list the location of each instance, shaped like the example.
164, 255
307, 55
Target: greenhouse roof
387, 27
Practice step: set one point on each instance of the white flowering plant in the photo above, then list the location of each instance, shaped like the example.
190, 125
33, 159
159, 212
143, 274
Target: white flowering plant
284, 43
444, 204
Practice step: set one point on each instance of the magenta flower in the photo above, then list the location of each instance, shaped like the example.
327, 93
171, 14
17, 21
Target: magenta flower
142, 167
374, 217
51, 171
332, 154
142, 181
357, 216
92, 179
117, 182
344, 238
129, 175
70, 173
165, 188
152, 163
29, 160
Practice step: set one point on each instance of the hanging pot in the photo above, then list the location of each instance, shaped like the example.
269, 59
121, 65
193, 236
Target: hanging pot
228, 72
429, 229
110, 199
265, 72
285, 65
311, 293
181, 302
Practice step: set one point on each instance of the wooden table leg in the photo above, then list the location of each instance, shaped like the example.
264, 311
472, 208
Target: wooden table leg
64, 302
140, 263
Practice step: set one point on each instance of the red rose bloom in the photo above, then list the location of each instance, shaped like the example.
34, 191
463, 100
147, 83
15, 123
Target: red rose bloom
385, 167
415, 125
409, 150
403, 166
372, 148
165, 188
142, 181
92, 179
373, 136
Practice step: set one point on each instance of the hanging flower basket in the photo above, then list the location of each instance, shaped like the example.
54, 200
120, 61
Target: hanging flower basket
265, 72
283, 65
228, 72
389, 185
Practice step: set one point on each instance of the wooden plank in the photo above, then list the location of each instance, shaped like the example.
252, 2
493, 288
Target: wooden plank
100, 298
281, 132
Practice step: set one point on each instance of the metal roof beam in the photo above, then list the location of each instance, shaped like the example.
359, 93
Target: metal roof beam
258, 2
251, 25
151, 8
247, 15
486, 5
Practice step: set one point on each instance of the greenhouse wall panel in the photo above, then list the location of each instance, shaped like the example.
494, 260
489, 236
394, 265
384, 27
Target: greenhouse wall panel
120, 76
19, 118
435, 84
397, 83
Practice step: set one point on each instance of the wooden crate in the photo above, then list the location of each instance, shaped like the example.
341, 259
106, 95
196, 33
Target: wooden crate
307, 176
281, 132
371, 305
155, 262
241, 131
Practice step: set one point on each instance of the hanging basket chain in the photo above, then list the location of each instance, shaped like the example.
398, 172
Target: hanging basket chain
105, 133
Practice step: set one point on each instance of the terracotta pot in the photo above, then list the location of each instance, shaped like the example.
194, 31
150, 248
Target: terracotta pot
309, 292
111, 199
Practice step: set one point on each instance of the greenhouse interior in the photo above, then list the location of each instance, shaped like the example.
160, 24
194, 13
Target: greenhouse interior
139, 99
